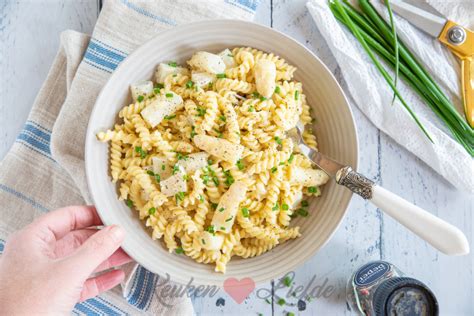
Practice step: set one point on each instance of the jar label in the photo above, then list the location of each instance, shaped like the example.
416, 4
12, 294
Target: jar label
371, 272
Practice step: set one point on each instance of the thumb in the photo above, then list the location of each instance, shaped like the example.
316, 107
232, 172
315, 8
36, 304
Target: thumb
95, 250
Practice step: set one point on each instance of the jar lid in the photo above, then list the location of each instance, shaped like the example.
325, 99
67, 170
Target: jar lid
404, 296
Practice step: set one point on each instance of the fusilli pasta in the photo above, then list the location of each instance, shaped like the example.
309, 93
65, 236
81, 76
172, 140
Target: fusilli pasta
207, 163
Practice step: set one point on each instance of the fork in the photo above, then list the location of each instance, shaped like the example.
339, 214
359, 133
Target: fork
437, 232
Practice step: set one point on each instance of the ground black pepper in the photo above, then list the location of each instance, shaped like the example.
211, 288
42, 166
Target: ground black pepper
379, 288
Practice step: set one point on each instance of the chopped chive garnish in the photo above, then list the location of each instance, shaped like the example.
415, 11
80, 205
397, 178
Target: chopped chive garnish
206, 178
304, 203
281, 302
287, 281
251, 108
140, 150
277, 89
129, 203
302, 212
169, 95
163, 167
221, 209
220, 76
151, 173
278, 140
255, 94
219, 133
229, 219
222, 118
185, 177
172, 64
179, 250
245, 212
201, 111
170, 117
211, 229
151, 211
159, 86
157, 177
285, 207
179, 196
274, 169
290, 314
210, 162
292, 157
230, 55
189, 84
297, 94
222, 228
140, 98
156, 90
193, 132
215, 180
201, 198
214, 205
182, 157
175, 169
203, 241
262, 98
229, 178
229, 181
281, 163
312, 189
240, 164
276, 207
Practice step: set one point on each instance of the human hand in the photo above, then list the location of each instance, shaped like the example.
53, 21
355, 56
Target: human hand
46, 267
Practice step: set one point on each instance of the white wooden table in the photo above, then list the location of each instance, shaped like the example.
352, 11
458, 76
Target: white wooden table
29, 36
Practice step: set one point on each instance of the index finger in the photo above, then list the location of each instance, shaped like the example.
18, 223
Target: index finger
63, 220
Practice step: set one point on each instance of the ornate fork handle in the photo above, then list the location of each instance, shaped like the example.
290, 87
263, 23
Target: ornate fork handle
355, 182
440, 234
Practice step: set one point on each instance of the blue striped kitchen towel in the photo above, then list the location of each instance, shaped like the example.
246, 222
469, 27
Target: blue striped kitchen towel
44, 169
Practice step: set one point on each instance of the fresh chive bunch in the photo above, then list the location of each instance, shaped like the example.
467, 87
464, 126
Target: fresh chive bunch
376, 35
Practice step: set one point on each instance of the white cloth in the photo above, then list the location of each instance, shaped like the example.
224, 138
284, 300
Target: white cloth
374, 97
44, 170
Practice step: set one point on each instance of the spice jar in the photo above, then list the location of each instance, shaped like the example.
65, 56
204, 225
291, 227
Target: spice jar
381, 289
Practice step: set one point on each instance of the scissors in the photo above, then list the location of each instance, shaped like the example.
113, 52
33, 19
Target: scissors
458, 39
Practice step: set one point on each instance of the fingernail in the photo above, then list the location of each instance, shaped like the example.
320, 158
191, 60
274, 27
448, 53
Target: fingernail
117, 232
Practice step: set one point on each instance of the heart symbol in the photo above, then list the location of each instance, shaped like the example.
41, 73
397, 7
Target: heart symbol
239, 290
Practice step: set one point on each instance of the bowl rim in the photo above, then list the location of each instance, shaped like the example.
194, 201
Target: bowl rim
201, 24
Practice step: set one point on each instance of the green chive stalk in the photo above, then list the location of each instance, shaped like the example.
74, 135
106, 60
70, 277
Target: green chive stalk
376, 35
395, 44
408, 76
446, 106
380, 68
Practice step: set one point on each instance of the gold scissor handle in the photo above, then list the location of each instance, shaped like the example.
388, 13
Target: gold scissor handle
465, 51
467, 81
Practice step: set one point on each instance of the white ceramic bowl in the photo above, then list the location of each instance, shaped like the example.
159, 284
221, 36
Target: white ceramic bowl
334, 127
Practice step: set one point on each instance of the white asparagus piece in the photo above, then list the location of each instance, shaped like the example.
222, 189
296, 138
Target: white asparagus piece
219, 147
308, 177
228, 206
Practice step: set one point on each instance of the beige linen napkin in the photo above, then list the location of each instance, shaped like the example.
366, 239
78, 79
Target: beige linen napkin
44, 170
